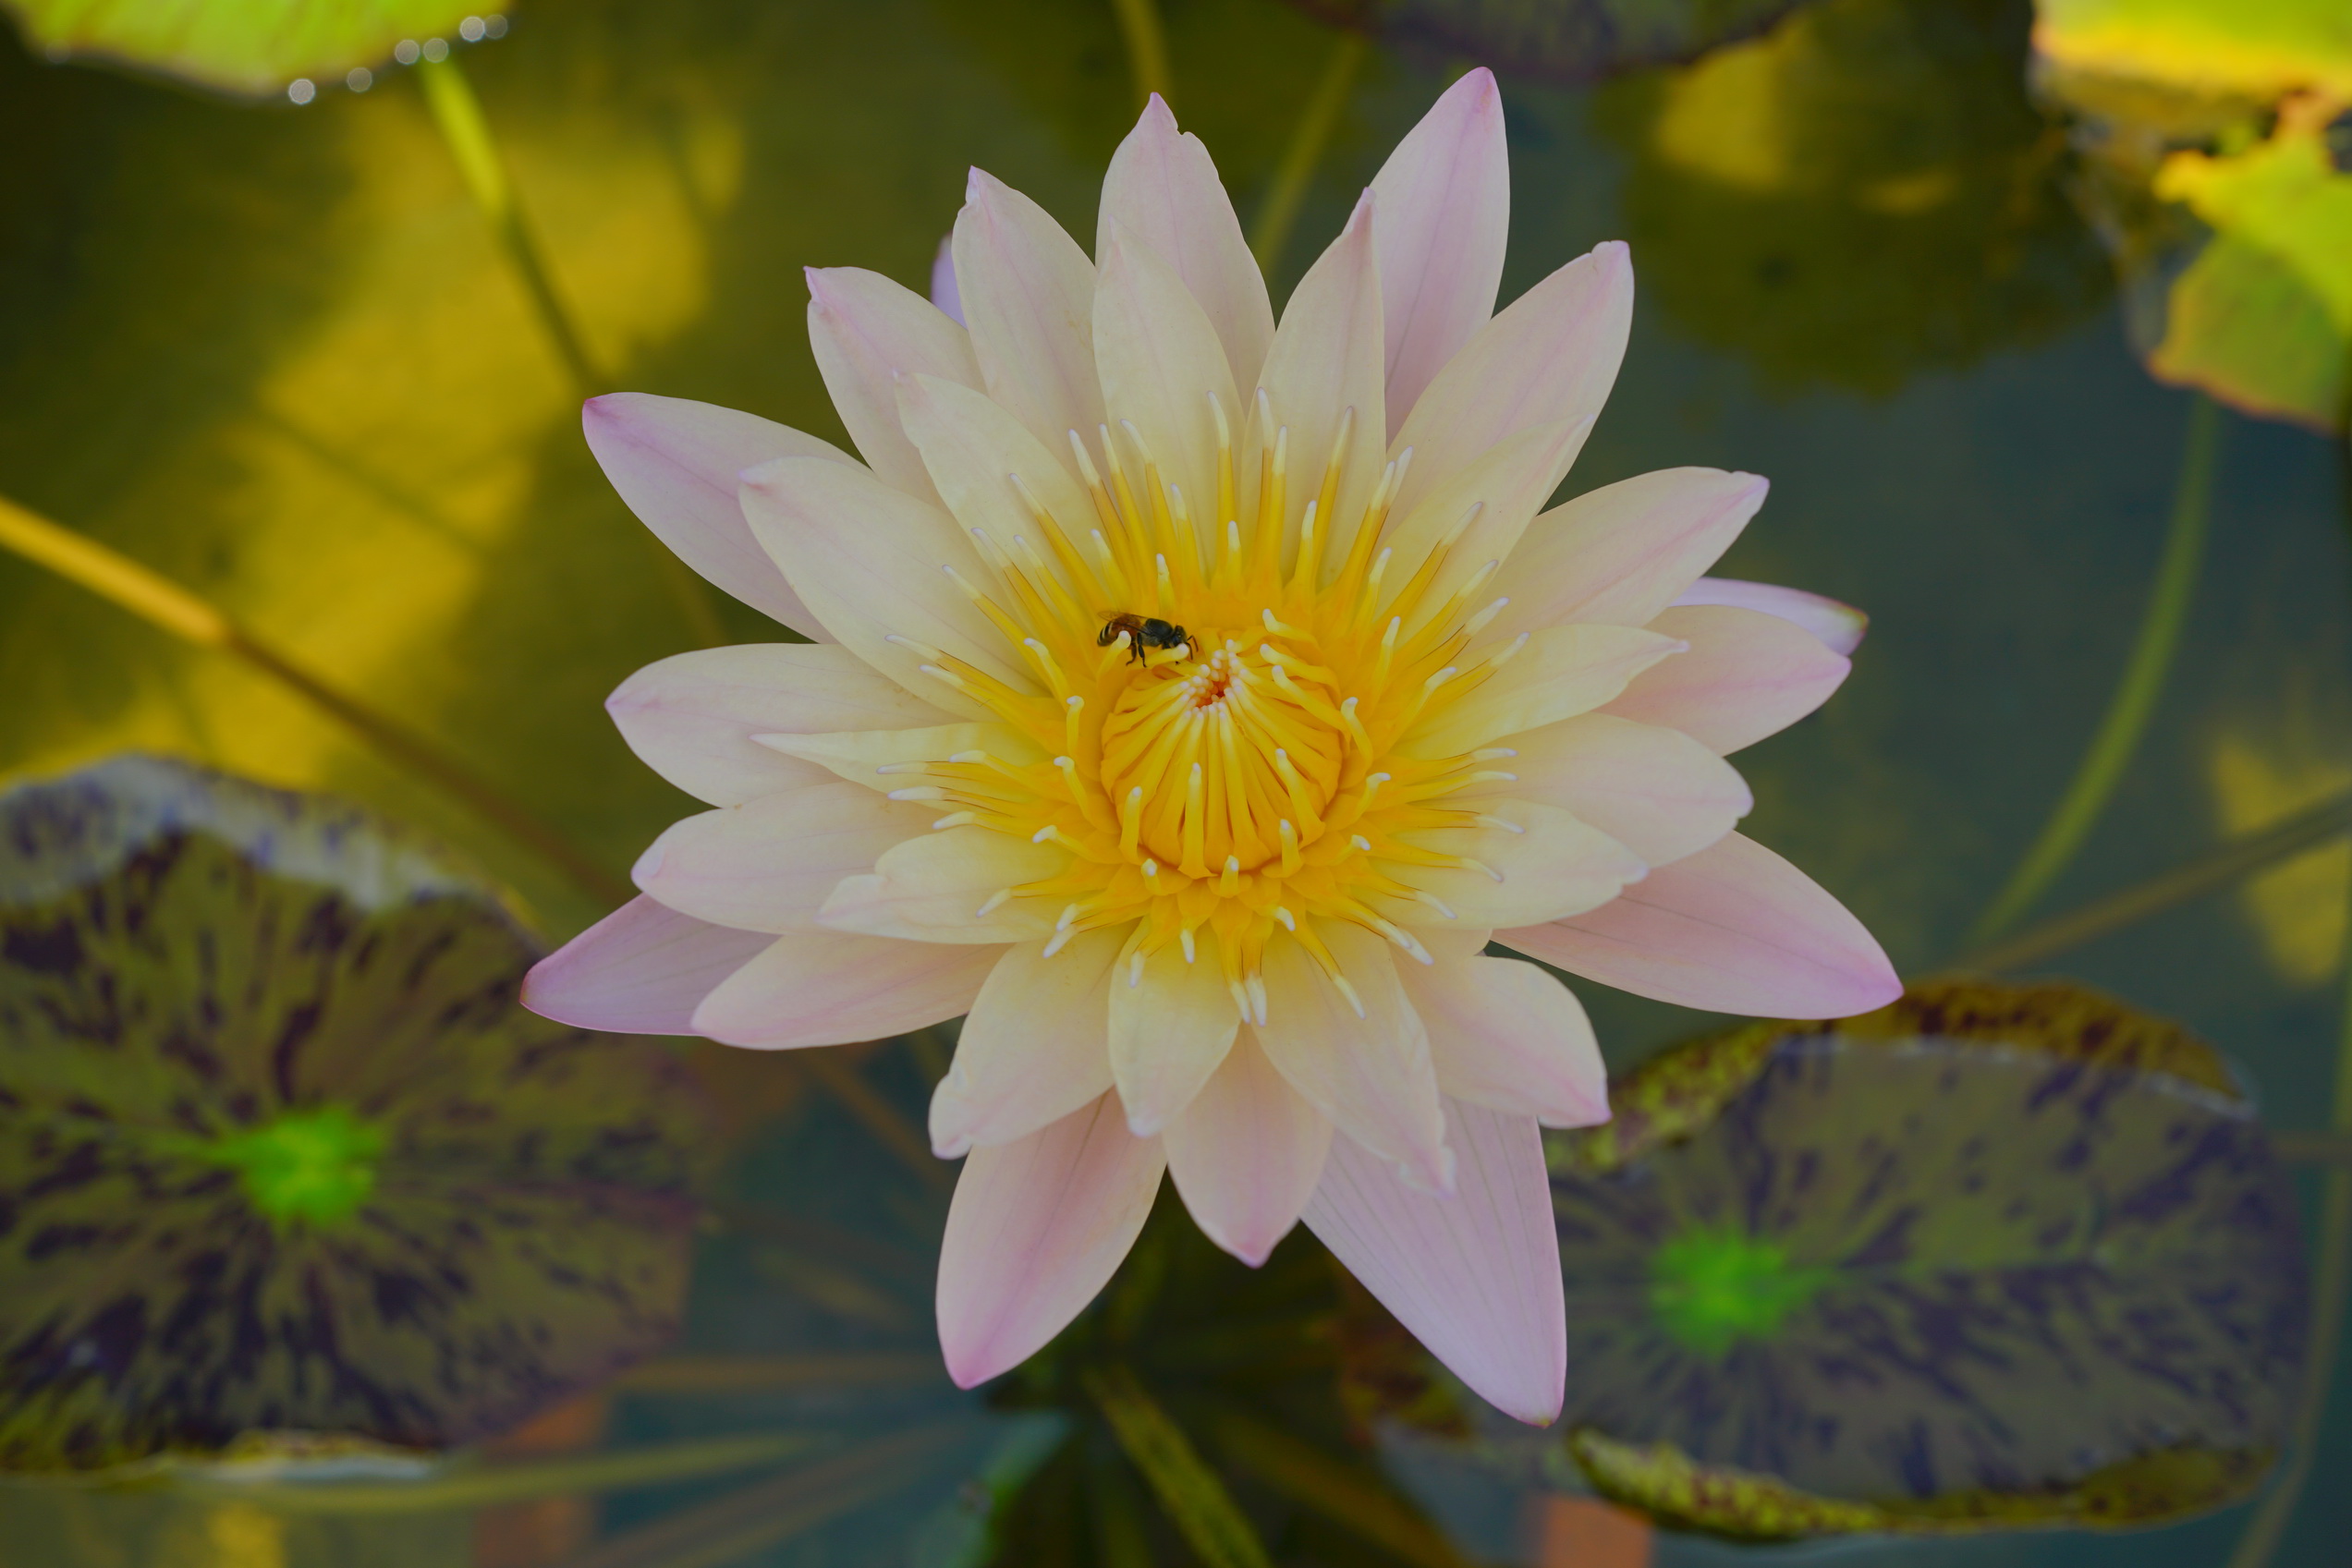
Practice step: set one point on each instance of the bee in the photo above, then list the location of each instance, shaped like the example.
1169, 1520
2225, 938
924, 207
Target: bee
1142, 632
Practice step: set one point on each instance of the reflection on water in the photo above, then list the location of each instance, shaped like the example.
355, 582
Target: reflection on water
275, 353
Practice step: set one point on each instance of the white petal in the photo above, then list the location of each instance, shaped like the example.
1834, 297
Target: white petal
860, 756
676, 463
1163, 188
1475, 1276
768, 864
1546, 860
866, 331
1480, 513
1028, 292
932, 889
641, 969
1032, 1051
1654, 790
1746, 675
1161, 366
1840, 627
981, 459
944, 292
1247, 1153
1509, 1037
1548, 359
1327, 361
816, 986
691, 717
1622, 553
1171, 1024
1558, 674
1732, 929
1444, 203
1036, 1228
1370, 1074
872, 563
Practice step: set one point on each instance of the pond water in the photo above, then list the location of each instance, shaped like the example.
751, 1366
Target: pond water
275, 354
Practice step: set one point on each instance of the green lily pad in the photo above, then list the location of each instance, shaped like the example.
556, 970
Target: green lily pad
254, 46
1864, 194
1567, 41
279, 1151
1995, 1257
2211, 46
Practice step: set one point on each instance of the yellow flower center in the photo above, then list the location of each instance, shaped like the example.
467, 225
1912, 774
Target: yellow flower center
1215, 790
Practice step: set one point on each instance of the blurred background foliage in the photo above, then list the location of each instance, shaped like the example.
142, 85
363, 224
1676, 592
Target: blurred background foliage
1914, 260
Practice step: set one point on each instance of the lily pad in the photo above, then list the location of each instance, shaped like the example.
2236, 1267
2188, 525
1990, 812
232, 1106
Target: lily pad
1995, 1257
2212, 46
253, 46
1862, 195
279, 1151
1565, 41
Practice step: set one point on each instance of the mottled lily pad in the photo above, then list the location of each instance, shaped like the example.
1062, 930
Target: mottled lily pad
254, 46
278, 1149
1567, 41
1993, 1256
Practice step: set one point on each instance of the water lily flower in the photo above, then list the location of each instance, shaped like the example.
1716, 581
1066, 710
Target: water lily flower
1196, 696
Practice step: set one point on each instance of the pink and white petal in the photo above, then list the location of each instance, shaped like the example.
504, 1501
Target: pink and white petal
1172, 1022
880, 759
641, 969
1550, 358
1732, 929
1163, 188
1482, 511
1654, 790
1508, 1035
868, 561
1558, 673
1840, 627
1247, 1153
981, 459
866, 331
816, 986
1475, 1276
944, 292
1622, 553
1368, 1072
1325, 365
1746, 675
934, 887
1545, 859
1162, 369
1444, 214
1036, 1228
691, 717
1028, 292
675, 463
768, 864
1032, 1050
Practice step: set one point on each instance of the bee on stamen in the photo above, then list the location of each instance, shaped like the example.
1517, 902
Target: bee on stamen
1142, 632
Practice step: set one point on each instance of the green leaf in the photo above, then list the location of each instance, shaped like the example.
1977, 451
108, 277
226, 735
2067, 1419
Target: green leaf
1196, 1501
251, 47
2215, 46
279, 1150
1864, 194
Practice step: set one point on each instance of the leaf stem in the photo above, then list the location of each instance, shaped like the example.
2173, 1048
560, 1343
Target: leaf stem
1270, 230
2216, 869
165, 604
1147, 48
2125, 721
458, 114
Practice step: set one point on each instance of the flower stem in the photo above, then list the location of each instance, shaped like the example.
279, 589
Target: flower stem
457, 113
2331, 1299
2216, 869
165, 604
1270, 231
2128, 710
1147, 47
1196, 1502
